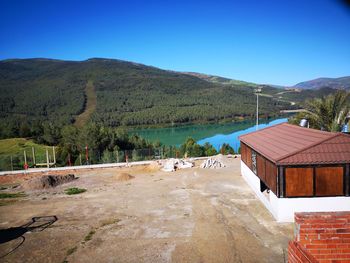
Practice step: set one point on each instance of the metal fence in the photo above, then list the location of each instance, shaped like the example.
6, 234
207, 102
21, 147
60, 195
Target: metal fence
50, 157
23, 160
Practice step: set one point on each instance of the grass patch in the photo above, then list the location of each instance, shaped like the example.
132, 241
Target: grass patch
4, 202
89, 236
71, 250
110, 222
74, 191
11, 195
14, 148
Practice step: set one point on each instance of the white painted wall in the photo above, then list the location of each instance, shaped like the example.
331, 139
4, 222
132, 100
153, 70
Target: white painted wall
283, 209
254, 182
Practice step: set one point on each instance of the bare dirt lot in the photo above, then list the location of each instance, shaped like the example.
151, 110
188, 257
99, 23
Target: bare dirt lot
191, 215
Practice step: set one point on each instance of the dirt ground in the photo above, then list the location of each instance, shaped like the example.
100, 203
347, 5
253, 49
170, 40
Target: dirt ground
191, 215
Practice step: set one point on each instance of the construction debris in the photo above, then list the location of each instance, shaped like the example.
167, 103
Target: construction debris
212, 164
172, 164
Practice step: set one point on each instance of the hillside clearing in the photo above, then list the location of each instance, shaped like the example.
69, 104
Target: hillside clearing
90, 105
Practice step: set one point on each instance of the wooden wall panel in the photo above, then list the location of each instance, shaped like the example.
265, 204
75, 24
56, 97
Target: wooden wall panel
347, 179
299, 182
249, 157
271, 176
261, 167
244, 153
329, 181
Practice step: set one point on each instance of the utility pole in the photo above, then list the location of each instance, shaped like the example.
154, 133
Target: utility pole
257, 91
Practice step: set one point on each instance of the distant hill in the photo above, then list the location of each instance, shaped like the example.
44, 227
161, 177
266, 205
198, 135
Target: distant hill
335, 83
119, 93
222, 80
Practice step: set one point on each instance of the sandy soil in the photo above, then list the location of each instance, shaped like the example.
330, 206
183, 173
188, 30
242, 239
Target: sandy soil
191, 215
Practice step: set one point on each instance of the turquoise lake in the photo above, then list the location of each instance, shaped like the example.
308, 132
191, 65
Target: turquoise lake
216, 134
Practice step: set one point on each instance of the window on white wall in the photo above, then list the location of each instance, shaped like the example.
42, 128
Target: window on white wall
254, 162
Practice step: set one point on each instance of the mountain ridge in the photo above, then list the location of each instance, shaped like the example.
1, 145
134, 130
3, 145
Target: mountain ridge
337, 83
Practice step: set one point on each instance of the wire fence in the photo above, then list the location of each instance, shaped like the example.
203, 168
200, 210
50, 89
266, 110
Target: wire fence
51, 158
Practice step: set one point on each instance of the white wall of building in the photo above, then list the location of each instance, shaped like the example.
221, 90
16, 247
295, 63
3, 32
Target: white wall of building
283, 209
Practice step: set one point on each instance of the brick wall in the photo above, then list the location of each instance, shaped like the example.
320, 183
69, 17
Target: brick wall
321, 237
297, 253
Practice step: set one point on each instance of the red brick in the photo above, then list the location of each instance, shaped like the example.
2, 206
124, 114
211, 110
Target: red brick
325, 236
342, 245
332, 246
318, 246
343, 230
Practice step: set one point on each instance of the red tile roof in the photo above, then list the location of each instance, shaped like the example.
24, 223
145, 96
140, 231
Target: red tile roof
286, 144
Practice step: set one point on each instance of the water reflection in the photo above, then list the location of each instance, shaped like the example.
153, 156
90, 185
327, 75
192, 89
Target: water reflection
216, 134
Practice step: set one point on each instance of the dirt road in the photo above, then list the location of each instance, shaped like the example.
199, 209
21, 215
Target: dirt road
191, 215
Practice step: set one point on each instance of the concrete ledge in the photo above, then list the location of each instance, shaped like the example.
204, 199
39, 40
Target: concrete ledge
80, 167
92, 166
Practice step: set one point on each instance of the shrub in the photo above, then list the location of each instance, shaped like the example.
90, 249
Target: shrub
226, 149
11, 195
74, 191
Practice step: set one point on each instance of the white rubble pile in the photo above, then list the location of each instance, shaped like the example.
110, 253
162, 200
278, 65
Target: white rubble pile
212, 164
172, 164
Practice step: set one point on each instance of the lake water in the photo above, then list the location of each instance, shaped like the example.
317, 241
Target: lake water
216, 134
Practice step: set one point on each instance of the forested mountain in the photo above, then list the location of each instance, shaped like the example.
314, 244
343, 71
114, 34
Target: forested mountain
335, 83
39, 94
37, 91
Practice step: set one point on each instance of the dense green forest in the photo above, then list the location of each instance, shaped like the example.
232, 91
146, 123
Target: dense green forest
40, 96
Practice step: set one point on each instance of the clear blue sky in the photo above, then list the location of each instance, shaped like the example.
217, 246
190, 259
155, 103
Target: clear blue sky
278, 42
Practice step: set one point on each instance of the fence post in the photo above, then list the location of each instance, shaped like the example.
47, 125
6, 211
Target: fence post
47, 158
87, 154
33, 152
11, 163
54, 155
25, 160
69, 161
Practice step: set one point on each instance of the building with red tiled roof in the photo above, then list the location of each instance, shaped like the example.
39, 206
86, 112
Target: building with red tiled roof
296, 169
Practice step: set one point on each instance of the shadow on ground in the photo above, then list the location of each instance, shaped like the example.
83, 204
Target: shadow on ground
37, 224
